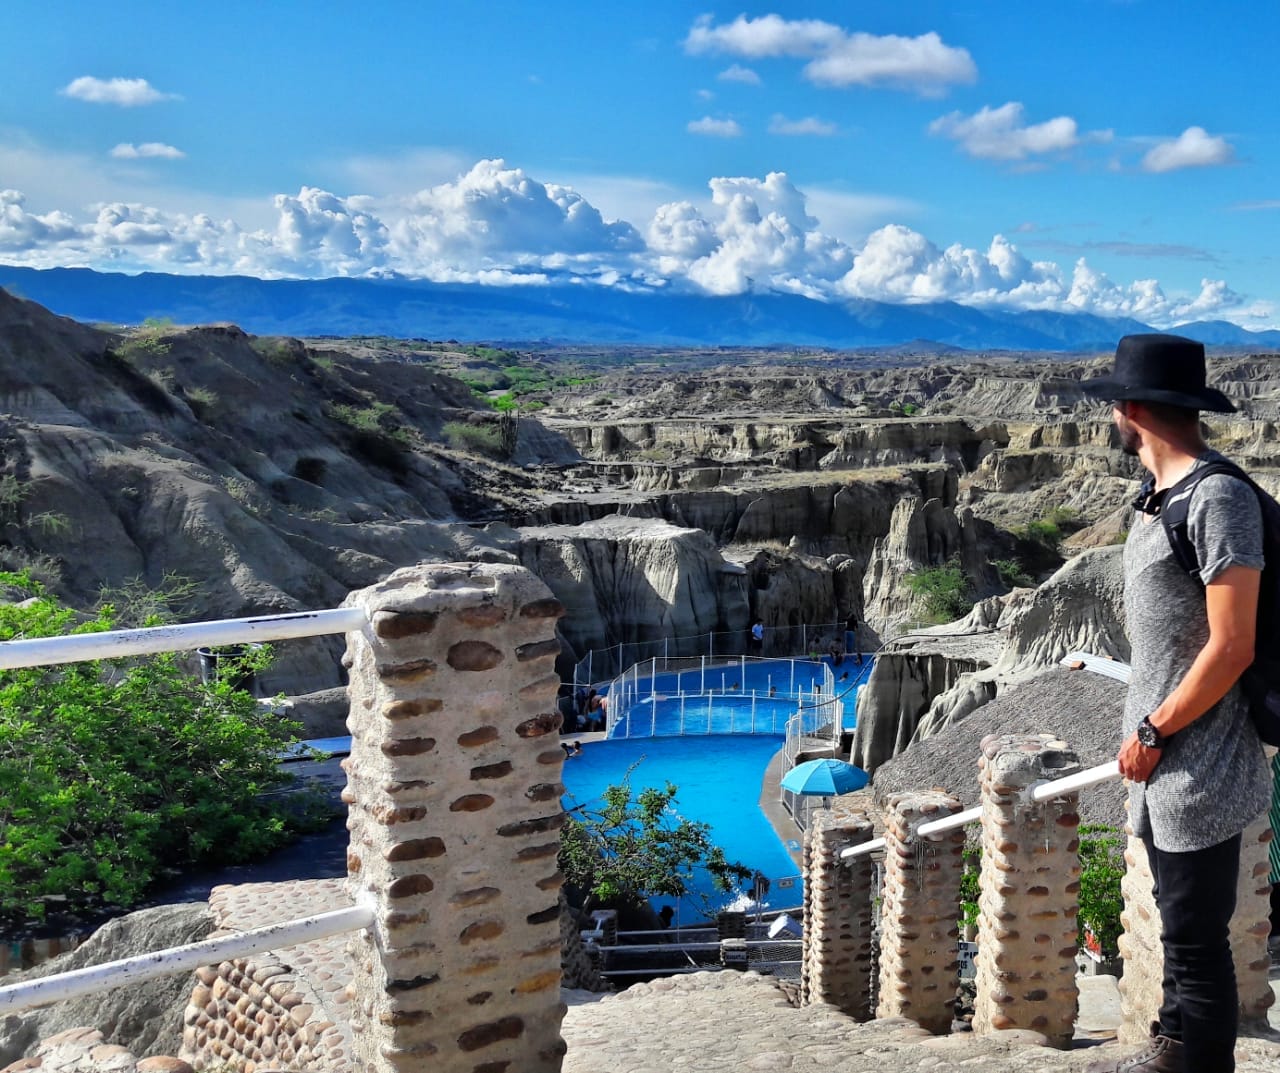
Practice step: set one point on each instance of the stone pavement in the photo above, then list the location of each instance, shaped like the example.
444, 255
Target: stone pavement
707, 1022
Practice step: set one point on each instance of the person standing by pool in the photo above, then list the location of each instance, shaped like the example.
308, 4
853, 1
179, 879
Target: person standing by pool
1196, 769
851, 636
756, 641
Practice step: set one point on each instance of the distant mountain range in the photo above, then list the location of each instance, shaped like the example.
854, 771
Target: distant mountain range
568, 312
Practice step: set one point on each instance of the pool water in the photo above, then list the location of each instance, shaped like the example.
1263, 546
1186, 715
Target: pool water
718, 780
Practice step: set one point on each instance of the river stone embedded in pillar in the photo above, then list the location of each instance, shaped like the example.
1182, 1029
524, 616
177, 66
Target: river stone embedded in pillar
1029, 891
454, 792
836, 966
919, 953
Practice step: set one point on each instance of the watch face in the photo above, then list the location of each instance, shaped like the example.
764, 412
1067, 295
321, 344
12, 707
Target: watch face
1148, 735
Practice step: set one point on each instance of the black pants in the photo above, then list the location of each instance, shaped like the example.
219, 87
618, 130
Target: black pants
1196, 895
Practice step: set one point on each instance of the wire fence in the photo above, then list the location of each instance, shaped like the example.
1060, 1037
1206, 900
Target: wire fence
742, 695
803, 639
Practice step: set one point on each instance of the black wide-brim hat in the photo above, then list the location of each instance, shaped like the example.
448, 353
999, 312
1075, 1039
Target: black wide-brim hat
1159, 368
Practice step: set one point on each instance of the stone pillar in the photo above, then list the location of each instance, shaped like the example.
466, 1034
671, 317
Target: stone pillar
1141, 986
454, 793
919, 956
1139, 945
836, 964
1252, 924
1029, 891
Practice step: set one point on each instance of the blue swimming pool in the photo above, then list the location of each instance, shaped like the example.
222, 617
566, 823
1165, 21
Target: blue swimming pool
749, 697
718, 779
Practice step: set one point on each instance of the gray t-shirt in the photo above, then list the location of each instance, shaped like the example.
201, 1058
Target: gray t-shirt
1212, 779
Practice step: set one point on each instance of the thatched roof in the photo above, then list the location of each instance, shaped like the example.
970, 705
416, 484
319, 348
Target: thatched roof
1080, 707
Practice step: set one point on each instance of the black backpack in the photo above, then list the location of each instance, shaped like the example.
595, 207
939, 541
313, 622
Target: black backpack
1261, 682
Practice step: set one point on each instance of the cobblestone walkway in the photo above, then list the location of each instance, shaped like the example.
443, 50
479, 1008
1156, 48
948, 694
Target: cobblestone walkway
703, 1022
708, 1022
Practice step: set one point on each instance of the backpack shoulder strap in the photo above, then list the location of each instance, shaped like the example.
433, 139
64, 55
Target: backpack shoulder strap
1177, 505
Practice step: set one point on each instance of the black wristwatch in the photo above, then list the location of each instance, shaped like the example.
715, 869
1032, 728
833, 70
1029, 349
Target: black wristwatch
1149, 736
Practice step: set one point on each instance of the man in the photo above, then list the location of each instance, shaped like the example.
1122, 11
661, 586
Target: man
1196, 770
757, 637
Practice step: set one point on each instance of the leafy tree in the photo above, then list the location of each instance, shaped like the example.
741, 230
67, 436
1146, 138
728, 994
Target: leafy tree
114, 773
636, 847
944, 590
1101, 869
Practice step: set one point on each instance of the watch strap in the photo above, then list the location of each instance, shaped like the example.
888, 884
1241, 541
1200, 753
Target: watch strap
1149, 736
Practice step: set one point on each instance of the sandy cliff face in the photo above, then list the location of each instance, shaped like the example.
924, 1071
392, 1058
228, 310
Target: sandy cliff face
794, 444
925, 683
634, 581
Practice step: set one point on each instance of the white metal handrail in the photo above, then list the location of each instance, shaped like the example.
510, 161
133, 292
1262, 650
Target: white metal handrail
80, 982
1042, 792
148, 640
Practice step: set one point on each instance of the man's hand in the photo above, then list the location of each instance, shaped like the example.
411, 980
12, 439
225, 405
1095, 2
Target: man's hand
1137, 762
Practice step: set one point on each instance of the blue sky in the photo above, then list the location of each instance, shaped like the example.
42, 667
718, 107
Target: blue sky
1111, 156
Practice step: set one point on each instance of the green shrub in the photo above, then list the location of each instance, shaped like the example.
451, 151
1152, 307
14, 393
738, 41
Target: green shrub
114, 773
969, 883
944, 589
1012, 574
282, 353
146, 341
203, 401
481, 439
1049, 530
378, 417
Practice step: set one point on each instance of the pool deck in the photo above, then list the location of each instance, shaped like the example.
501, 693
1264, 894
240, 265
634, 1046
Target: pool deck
787, 830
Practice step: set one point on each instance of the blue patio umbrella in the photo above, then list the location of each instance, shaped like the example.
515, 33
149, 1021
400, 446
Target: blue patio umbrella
823, 778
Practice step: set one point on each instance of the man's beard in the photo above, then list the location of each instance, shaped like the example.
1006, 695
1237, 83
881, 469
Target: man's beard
1128, 438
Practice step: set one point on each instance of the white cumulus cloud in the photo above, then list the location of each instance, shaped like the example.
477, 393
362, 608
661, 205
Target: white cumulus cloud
737, 73
495, 224
756, 235
769, 35
22, 231
900, 265
319, 233
924, 64
810, 125
1003, 133
126, 92
129, 151
714, 128
838, 57
495, 217
1193, 148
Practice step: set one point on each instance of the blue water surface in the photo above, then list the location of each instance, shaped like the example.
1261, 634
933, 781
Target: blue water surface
718, 781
